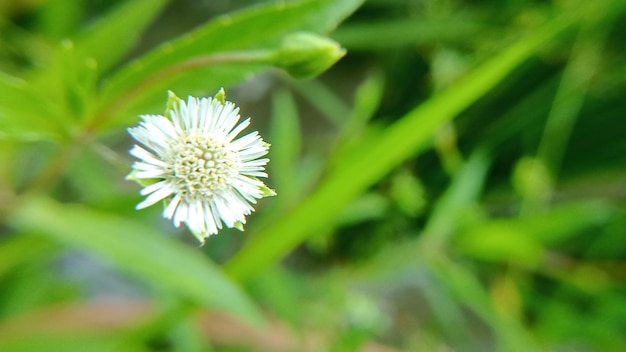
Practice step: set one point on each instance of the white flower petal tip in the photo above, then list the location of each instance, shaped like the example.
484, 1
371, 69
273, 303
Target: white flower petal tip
192, 159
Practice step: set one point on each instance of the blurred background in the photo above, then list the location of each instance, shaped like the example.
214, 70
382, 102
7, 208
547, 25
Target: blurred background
456, 182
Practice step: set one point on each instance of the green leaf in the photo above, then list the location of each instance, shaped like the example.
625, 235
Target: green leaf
74, 341
410, 31
113, 35
372, 162
69, 76
501, 242
59, 19
467, 289
324, 99
224, 51
329, 14
563, 222
138, 249
24, 115
286, 136
18, 250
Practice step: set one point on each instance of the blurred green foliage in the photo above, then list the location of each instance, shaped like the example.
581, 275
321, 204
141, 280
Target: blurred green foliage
455, 182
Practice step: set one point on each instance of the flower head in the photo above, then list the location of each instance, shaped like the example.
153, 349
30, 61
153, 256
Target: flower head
193, 160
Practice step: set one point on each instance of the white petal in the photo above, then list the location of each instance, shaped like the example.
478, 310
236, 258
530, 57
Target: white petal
181, 213
153, 188
225, 212
254, 173
195, 221
256, 162
252, 153
228, 118
150, 174
171, 207
216, 215
247, 140
155, 197
232, 134
208, 219
217, 109
146, 156
192, 114
162, 123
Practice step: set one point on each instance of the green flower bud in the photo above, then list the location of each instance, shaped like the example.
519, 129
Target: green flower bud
305, 55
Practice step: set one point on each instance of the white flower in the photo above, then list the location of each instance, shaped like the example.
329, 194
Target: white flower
206, 176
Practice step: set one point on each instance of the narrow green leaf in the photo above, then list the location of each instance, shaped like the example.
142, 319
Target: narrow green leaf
521, 240
329, 14
74, 341
23, 114
395, 144
443, 222
286, 137
69, 76
224, 51
466, 288
463, 191
111, 36
137, 249
59, 19
324, 100
501, 242
18, 250
147, 97
410, 31
367, 100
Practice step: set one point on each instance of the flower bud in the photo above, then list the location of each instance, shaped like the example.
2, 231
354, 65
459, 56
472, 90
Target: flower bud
305, 55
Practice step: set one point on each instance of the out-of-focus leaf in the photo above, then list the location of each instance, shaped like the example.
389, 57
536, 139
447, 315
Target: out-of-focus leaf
285, 136
444, 221
521, 240
368, 206
367, 99
187, 65
69, 77
67, 342
111, 36
408, 193
563, 222
25, 115
498, 241
279, 289
59, 19
463, 192
137, 249
20, 249
324, 100
397, 143
328, 14
410, 31
468, 290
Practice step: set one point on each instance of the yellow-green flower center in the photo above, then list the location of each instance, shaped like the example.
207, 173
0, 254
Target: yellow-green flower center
202, 165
